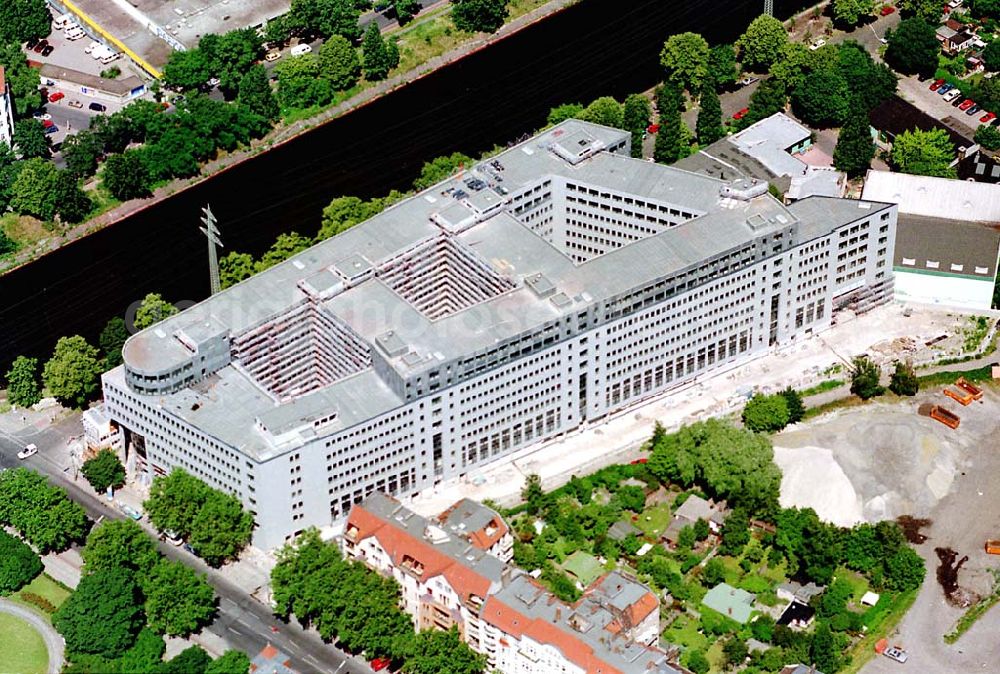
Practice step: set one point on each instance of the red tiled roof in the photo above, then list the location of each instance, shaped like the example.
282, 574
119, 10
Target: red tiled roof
399, 543
3, 81
637, 612
482, 540
513, 622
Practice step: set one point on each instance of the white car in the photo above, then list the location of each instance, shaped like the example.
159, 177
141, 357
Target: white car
817, 43
896, 653
300, 49
94, 44
29, 450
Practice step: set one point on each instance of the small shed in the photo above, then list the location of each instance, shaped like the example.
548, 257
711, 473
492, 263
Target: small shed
583, 566
621, 530
870, 598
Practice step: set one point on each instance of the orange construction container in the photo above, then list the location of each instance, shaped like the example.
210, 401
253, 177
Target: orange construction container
946, 417
969, 388
963, 397
993, 547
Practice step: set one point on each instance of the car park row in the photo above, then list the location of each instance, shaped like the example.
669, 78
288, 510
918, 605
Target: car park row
951, 94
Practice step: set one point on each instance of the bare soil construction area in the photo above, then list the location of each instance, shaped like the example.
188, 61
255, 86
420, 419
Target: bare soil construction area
883, 461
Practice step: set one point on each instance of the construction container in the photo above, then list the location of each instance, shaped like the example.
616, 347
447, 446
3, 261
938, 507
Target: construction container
969, 388
993, 547
961, 396
945, 416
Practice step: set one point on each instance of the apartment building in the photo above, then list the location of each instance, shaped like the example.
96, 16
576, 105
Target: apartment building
537, 292
501, 612
6, 112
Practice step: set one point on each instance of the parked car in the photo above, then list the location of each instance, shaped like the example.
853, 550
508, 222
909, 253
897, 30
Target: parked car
56, 96
187, 546
747, 81
740, 114
272, 56
953, 95
51, 129
129, 511
653, 128
76, 34
48, 50
98, 107
46, 123
75, 104
966, 104
42, 44
30, 44
887, 10
300, 49
936, 84
987, 118
945, 88
817, 43
29, 450
896, 653
42, 115
172, 538
378, 664
973, 110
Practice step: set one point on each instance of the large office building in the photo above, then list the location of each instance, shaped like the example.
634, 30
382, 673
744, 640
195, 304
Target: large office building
538, 291
6, 112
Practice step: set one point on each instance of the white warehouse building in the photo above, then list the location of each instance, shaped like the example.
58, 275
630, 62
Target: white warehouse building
539, 291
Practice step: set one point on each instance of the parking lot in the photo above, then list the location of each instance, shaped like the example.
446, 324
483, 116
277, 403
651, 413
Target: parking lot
933, 104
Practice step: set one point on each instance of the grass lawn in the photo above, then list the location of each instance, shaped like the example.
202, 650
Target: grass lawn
43, 586
858, 583
733, 571
715, 656
684, 632
22, 650
583, 566
654, 521
426, 39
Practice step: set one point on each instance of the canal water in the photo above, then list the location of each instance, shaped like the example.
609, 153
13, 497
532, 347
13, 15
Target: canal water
595, 48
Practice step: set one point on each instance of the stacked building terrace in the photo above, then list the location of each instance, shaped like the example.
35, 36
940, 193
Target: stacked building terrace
539, 291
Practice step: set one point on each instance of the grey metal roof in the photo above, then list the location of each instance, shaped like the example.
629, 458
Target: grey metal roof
769, 140
468, 515
948, 242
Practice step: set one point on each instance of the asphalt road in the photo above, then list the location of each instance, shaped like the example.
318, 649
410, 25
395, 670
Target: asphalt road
242, 621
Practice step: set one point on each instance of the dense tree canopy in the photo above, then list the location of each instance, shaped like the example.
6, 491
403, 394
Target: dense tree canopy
669, 139
145, 655
434, 651
325, 18
761, 43
344, 212
913, 48
256, 95
18, 564
152, 310
475, 16
30, 139
988, 136
22, 382
766, 413
927, 10
636, 115
23, 20
379, 57
440, 168
769, 97
723, 69
604, 110
823, 99
728, 462
230, 662
904, 381
104, 614
865, 378
71, 374
112, 340
685, 57
179, 602
42, 514
235, 267
187, 70
927, 153
855, 146
220, 529
709, 125
119, 544
104, 470
126, 176
175, 500
285, 246
81, 151
339, 63
852, 12
22, 80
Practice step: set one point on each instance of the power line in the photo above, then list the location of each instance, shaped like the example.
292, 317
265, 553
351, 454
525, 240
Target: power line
211, 233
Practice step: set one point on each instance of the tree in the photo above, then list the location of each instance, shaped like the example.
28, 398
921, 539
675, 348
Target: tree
22, 382
71, 203
104, 470
722, 67
235, 267
991, 56
709, 126
192, 660
851, 12
927, 10
179, 602
119, 544
230, 662
22, 80
865, 378
42, 515
439, 169
985, 9
377, 59
284, 247
823, 651
338, 62
766, 413
532, 494
685, 57
233, 54
30, 139
152, 310
33, 191
823, 99
81, 151
187, 70
713, 573
174, 501
988, 135
475, 16
735, 533
112, 340
434, 651
926, 153
605, 111
698, 663
796, 409
325, 18
761, 43
904, 570
870, 83
221, 529
146, 654
125, 176
23, 20
104, 614
903, 381
794, 62
255, 93
913, 48
18, 564
769, 97
735, 651
855, 147
561, 113
668, 145
71, 374
631, 497
406, 10
299, 83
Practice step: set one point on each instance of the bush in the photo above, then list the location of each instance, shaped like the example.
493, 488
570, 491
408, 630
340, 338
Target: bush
766, 414
904, 380
39, 602
18, 564
865, 378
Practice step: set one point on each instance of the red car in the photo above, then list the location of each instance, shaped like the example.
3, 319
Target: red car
642, 460
936, 84
378, 664
46, 123
57, 96
740, 114
652, 128
966, 104
887, 10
